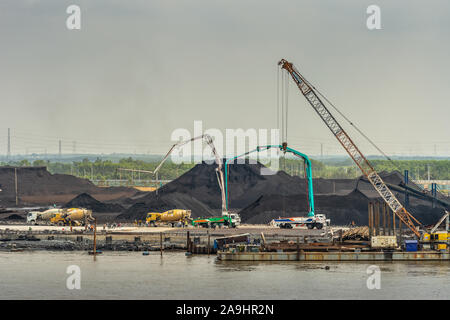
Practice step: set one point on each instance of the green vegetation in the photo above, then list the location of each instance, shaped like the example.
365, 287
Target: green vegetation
439, 169
418, 169
108, 170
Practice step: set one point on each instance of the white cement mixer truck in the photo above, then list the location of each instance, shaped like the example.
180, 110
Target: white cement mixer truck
61, 217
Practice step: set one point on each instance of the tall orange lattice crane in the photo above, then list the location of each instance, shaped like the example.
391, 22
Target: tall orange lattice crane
310, 94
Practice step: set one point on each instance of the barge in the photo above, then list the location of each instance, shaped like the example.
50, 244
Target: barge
335, 256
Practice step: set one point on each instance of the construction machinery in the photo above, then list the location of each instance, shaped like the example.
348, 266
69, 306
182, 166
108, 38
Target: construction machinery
170, 217
72, 217
317, 221
438, 240
312, 96
213, 222
312, 220
445, 217
35, 217
219, 174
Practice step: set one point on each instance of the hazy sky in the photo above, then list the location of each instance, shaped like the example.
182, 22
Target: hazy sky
137, 70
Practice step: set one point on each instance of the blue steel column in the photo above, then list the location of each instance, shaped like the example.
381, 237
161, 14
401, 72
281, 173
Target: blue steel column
406, 191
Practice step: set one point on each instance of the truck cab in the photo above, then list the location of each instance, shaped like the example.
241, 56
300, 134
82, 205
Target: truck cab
33, 216
152, 218
323, 219
235, 218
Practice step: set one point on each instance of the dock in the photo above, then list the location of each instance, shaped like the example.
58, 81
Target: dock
334, 256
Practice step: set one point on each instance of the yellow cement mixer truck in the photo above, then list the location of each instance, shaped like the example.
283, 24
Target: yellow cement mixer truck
171, 217
72, 216
61, 217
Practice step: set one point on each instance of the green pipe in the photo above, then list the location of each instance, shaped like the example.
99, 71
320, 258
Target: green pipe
293, 151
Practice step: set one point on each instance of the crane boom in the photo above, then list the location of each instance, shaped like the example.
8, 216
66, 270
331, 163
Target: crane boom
308, 91
219, 173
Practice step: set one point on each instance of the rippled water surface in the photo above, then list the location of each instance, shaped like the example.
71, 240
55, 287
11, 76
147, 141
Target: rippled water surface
130, 275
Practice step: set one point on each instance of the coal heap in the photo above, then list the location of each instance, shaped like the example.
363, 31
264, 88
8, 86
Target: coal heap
38, 181
85, 200
341, 209
162, 201
264, 197
14, 217
341, 206
245, 184
198, 190
38, 186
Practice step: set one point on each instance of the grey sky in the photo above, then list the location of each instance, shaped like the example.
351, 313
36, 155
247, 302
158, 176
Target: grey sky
137, 70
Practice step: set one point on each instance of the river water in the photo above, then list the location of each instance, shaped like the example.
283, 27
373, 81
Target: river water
131, 275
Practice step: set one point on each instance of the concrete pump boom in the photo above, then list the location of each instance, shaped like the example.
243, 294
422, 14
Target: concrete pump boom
284, 148
309, 92
219, 172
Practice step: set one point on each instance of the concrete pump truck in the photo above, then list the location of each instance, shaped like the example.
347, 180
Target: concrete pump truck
312, 220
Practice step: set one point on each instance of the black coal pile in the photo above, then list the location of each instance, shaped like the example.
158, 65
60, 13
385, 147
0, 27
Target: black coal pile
38, 186
38, 181
14, 217
264, 197
85, 200
198, 190
245, 184
161, 201
341, 209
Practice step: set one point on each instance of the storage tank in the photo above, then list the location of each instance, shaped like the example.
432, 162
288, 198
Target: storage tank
175, 215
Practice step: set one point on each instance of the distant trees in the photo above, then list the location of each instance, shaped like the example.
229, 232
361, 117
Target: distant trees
107, 169
418, 169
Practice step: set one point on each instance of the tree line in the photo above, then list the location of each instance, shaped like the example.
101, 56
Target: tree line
109, 170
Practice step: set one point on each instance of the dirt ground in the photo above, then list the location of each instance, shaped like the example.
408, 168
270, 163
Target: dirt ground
130, 229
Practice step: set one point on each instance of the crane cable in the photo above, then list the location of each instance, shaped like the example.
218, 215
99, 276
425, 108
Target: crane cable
286, 107
282, 121
278, 99
353, 125
348, 120
282, 104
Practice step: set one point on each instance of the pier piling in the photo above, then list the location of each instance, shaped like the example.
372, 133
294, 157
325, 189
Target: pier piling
161, 243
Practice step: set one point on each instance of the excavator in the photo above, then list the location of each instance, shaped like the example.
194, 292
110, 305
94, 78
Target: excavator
312, 96
235, 218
